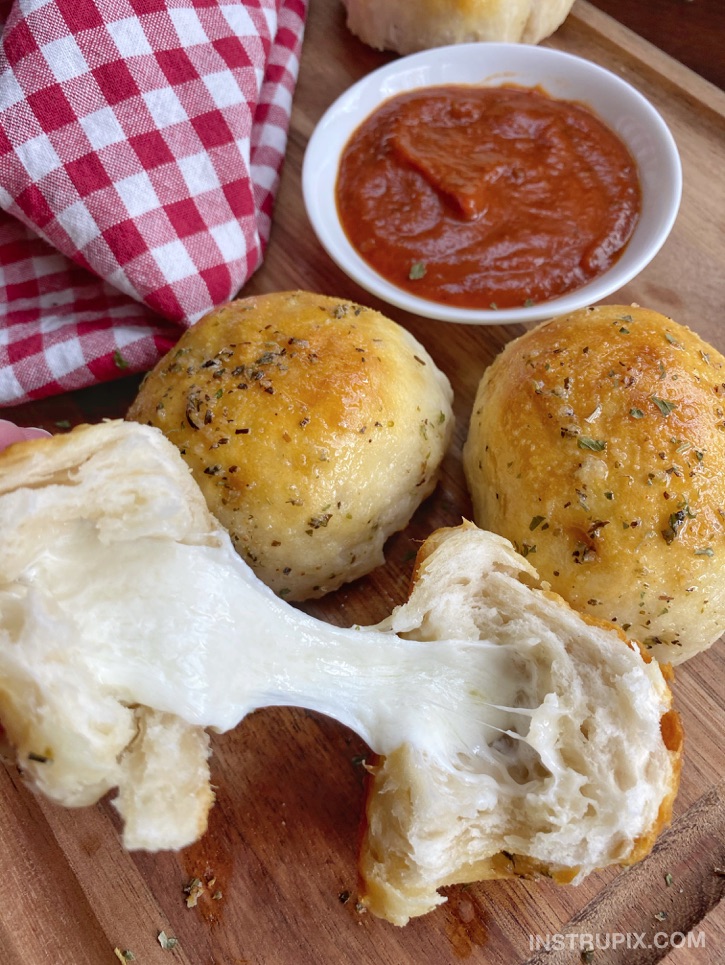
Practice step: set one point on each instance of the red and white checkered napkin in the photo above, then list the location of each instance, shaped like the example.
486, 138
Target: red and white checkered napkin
141, 143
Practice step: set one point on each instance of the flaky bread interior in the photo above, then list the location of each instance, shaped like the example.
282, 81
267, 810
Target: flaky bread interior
129, 625
77, 731
579, 753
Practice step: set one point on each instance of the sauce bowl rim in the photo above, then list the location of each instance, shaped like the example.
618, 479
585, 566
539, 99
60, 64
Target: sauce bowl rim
563, 75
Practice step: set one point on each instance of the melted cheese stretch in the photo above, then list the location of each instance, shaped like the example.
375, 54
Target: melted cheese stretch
189, 630
125, 613
200, 637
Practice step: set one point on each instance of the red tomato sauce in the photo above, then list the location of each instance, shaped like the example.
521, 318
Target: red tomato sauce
487, 197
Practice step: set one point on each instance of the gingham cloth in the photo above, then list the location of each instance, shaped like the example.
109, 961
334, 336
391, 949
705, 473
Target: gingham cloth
141, 143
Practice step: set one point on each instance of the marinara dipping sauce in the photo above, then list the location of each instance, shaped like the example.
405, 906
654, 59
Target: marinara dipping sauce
487, 197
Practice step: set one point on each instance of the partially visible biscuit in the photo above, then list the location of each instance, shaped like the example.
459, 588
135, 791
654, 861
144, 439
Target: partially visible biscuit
407, 27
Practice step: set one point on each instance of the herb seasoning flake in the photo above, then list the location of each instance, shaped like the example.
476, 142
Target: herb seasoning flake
124, 955
167, 941
664, 405
596, 445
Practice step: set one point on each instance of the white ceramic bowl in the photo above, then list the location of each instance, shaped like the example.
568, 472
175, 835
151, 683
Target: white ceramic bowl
561, 75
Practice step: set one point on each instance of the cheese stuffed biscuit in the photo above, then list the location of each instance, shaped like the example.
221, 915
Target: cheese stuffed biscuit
314, 427
597, 446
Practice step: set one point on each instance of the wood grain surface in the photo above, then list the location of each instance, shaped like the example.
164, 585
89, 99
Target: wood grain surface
691, 31
279, 860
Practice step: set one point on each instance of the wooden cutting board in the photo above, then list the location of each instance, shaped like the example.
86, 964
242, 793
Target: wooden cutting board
278, 861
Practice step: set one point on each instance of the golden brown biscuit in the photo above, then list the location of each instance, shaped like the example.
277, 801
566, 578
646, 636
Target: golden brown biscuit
597, 446
314, 427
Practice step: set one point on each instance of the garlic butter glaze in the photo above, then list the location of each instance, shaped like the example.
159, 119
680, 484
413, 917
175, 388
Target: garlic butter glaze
597, 446
314, 427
